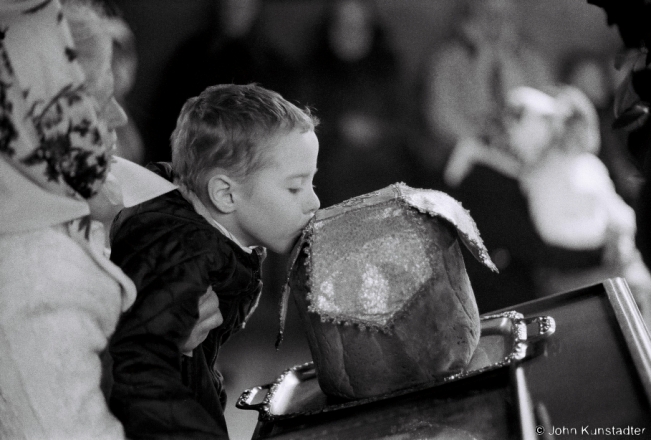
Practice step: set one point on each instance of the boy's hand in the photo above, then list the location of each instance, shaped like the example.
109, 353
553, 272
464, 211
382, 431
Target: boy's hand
210, 317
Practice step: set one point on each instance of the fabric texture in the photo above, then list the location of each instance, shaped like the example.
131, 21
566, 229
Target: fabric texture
52, 149
26, 206
173, 255
36, 79
60, 300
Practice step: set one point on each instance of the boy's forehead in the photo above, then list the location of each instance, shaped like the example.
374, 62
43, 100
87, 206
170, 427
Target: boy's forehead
284, 141
290, 150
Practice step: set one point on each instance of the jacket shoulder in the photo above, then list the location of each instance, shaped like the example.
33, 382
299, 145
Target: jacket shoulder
160, 234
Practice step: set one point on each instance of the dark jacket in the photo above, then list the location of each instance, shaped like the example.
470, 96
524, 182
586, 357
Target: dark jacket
173, 255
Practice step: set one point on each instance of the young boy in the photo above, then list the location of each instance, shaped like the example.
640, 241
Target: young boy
244, 159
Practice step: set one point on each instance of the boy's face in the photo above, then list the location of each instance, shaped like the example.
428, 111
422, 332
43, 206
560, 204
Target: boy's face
275, 203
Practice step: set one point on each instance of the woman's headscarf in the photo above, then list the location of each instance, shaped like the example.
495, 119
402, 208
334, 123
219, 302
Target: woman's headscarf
49, 130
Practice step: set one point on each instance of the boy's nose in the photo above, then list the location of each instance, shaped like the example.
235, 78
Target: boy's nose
114, 115
313, 203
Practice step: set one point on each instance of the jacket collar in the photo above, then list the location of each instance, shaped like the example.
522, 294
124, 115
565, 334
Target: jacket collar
201, 209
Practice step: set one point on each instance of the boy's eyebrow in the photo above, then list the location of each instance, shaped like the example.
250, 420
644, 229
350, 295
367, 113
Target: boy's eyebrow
301, 175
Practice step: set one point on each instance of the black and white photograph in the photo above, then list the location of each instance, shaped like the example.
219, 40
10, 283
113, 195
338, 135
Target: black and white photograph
325, 219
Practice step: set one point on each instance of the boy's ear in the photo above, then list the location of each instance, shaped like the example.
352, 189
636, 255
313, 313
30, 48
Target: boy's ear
220, 191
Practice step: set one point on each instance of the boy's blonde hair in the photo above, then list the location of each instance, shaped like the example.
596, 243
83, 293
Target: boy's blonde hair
228, 127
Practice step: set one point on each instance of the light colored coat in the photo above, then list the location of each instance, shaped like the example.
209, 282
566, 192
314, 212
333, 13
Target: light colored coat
60, 300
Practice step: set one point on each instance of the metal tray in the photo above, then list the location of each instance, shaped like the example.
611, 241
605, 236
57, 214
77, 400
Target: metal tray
505, 338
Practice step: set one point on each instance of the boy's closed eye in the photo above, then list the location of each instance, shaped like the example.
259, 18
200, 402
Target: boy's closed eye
297, 184
297, 189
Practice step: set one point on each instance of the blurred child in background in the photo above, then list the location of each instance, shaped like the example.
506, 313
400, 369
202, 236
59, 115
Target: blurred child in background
571, 197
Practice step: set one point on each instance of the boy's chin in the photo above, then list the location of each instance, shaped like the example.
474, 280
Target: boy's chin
280, 249
283, 248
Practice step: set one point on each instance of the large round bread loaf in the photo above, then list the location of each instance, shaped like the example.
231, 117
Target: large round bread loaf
382, 288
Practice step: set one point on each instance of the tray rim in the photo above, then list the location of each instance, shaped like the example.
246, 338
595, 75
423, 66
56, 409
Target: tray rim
636, 334
518, 353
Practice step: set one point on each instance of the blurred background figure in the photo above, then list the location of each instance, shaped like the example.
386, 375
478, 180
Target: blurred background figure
465, 90
485, 180
352, 79
544, 203
125, 63
469, 74
232, 49
571, 197
595, 76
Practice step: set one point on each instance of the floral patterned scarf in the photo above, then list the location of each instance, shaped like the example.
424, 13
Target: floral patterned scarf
49, 130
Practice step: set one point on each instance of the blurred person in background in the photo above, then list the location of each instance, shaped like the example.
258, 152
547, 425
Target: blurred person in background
468, 75
571, 197
594, 75
232, 50
353, 81
465, 88
494, 181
